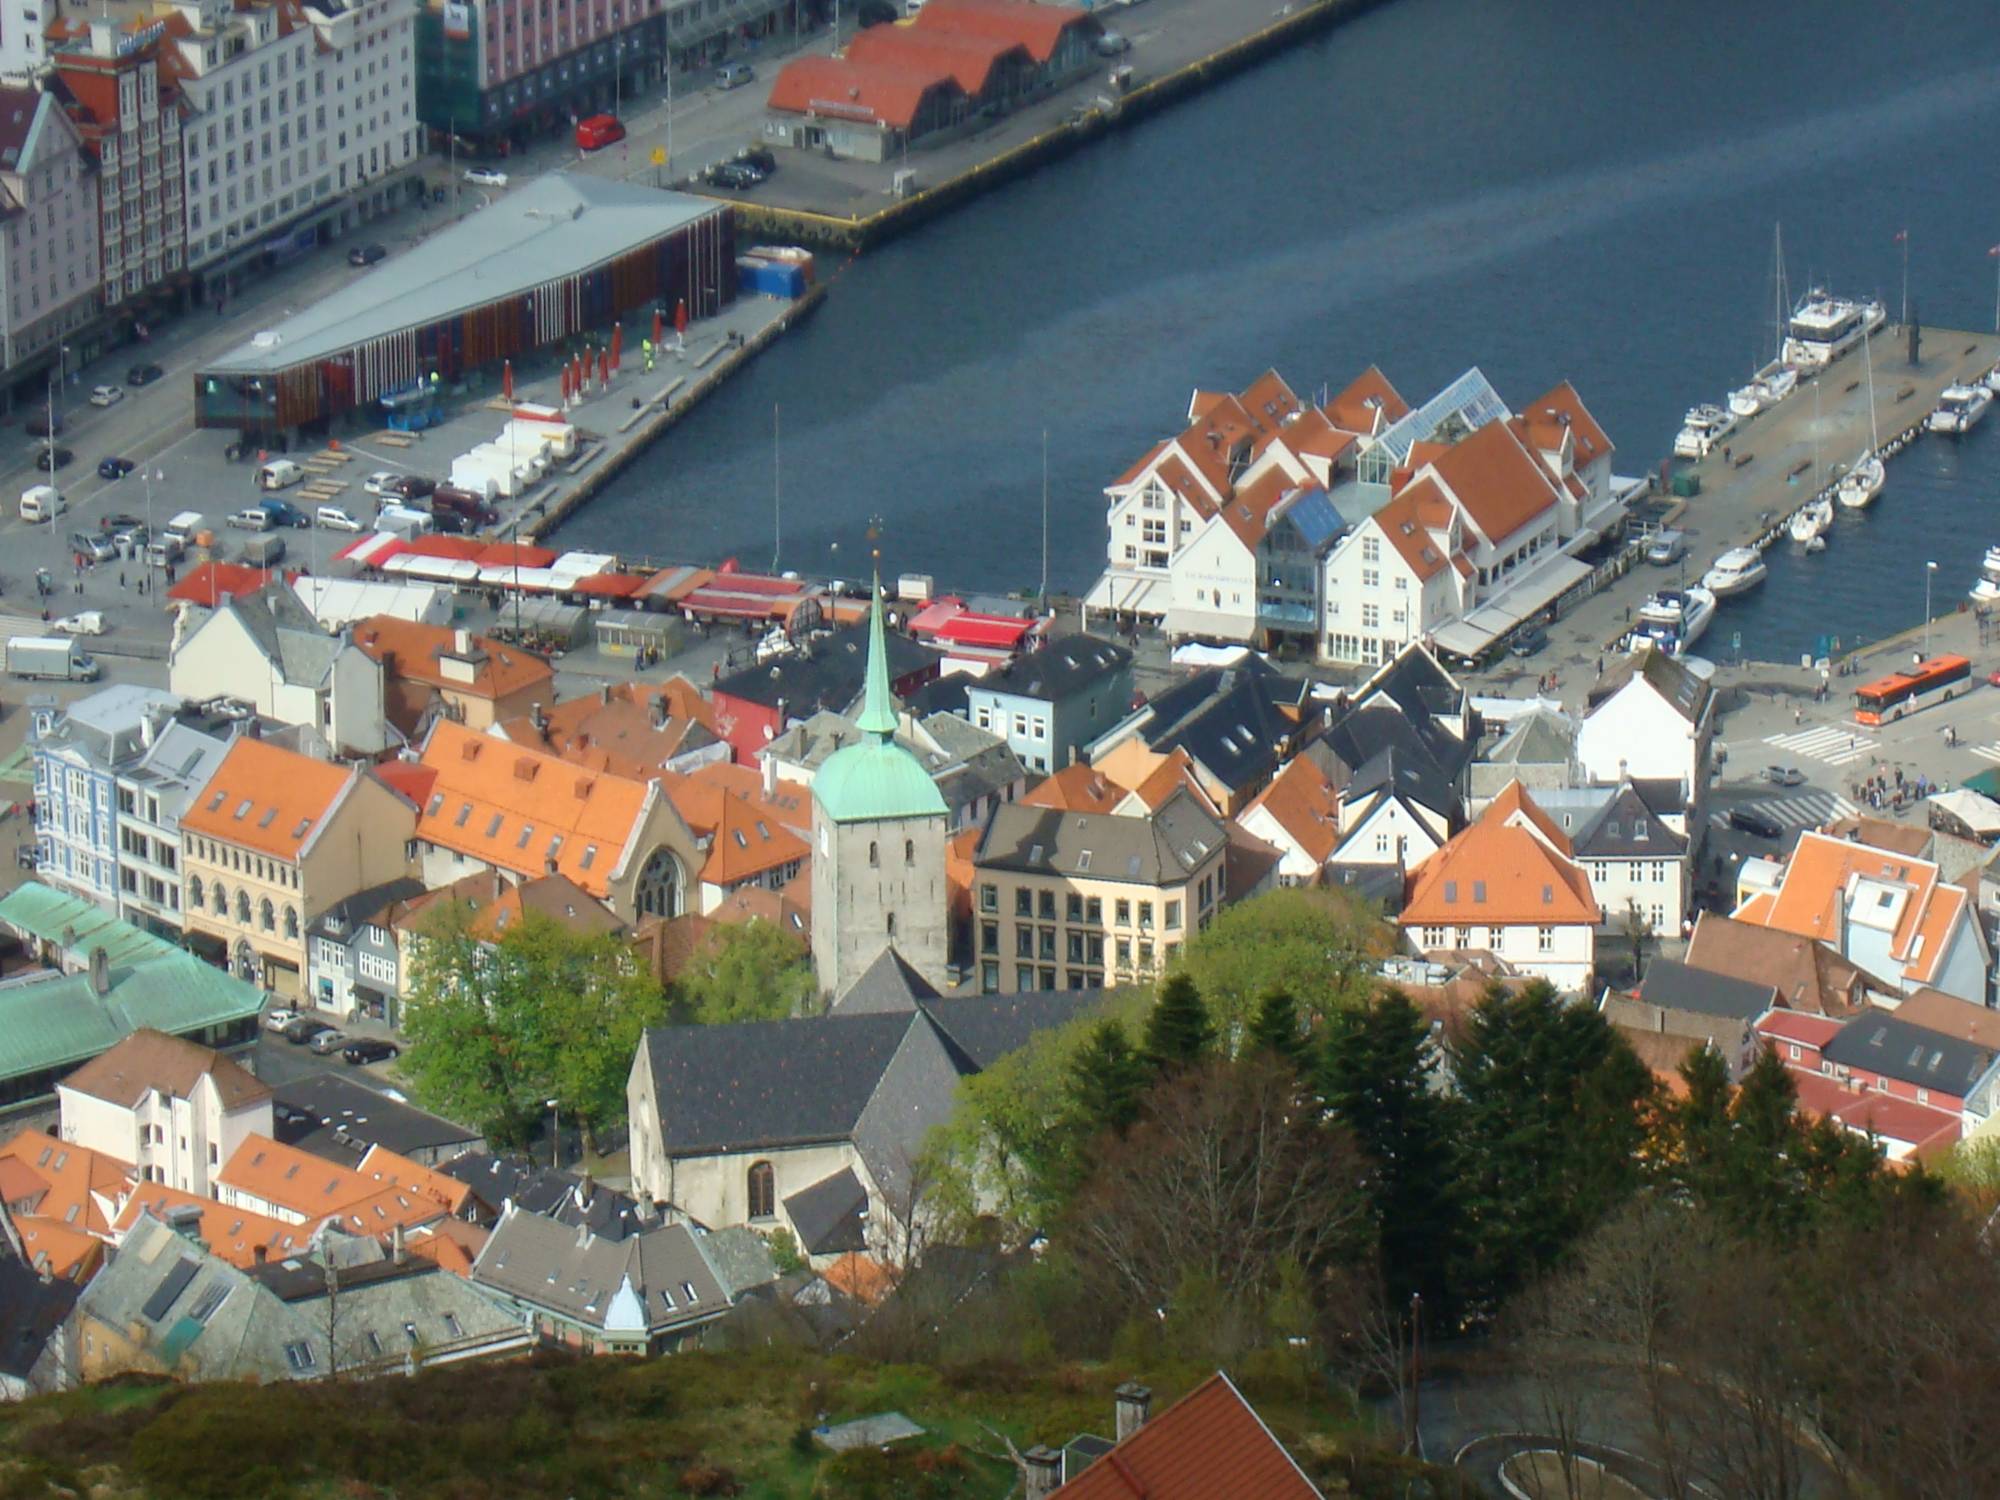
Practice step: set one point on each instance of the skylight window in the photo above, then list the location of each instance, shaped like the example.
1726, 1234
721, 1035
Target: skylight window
437, 801
527, 832
243, 808
269, 814
299, 828
589, 857
464, 812
493, 825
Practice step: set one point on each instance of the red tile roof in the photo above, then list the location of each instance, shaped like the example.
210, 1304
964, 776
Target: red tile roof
1209, 1445
267, 798
418, 653
1039, 28
1562, 410
967, 59
1510, 868
1368, 402
846, 90
213, 582
1502, 486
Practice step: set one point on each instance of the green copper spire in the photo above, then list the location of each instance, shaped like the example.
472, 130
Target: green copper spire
878, 706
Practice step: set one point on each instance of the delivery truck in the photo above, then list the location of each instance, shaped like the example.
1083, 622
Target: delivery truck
50, 657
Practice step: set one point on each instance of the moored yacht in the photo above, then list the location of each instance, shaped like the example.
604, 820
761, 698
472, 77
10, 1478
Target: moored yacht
1824, 327
1747, 400
1992, 381
1705, 426
1810, 521
1960, 407
1737, 571
1861, 484
1987, 589
1674, 619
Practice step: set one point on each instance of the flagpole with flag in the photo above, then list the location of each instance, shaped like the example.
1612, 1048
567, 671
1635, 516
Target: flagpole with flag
1903, 239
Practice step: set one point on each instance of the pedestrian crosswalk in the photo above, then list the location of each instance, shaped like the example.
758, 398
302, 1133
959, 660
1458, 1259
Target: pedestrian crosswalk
1806, 808
1836, 744
1986, 752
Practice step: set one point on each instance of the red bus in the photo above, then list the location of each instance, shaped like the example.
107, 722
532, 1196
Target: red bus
598, 132
1904, 692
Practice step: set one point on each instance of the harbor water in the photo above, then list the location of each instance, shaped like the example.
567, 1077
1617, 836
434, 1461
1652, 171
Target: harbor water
1558, 190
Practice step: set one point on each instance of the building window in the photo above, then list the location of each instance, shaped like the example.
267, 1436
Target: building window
1545, 940
763, 1188
909, 851
243, 907
267, 915
194, 893
1173, 914
989, 897
1024, 901
874, 855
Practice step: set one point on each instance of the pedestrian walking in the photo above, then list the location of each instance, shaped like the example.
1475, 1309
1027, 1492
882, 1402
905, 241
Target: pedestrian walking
121, 578
1798, 714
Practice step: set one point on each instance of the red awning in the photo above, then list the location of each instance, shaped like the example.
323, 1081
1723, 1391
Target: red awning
609, 585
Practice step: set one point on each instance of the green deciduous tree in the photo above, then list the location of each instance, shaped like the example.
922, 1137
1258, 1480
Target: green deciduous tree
1179, 1032
749, 971
498, 1028
1374, 1073
1319, 945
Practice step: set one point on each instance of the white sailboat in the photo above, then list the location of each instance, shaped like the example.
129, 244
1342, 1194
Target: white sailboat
1863, 482
1811, 520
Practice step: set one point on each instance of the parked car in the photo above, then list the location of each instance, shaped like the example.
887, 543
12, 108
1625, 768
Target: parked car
1752, 821
378, 482
48, 458
90, 622
280, 1018
333, 518
734, 75
328, 1042
114, 468
408, 487
735, 175
367, 255
143, 374
106, 395
1528, 640
1666, 548
763, 158
131, 537
41, 424
1112, 43
486, 177
599, 131
1784, 776
284, 513
97, 546
302, 1029
251, 518
369, 1050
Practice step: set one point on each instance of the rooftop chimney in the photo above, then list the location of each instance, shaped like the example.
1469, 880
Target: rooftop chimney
461, 641
604, 694
660, 711
1134, 1402
100, 972
770, 776
259, 1254
1044, 1472
399, 1251
540, 720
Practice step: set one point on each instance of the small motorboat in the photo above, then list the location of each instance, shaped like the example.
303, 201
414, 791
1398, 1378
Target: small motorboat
1960, 408
1810, 522
1674, 619
1987, 589
1737, 571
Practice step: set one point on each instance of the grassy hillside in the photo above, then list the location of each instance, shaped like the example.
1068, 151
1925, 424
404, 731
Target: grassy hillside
702, 1424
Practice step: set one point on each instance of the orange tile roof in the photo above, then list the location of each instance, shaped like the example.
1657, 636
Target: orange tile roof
614, 730
1037, 27
833, 86
235, 1234
1076, 788
1812, 898
380, 1213
293, 1179
1139, 468
392, 1170
1351, 409
1402, 521
1209, 1445
1510, 868
83, 1185
749, 842
1936, 1011
266, 798
1270, 398
789, 909
59, 1250
1561, 411
509, 806
1174, 773
700, 794
1502, 486
1303, 802
969, 60
452, 1243
415, 651
1248, 512
1314, 434
861, 1277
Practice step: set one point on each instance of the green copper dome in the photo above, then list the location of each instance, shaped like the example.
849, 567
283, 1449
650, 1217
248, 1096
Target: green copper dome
876, 778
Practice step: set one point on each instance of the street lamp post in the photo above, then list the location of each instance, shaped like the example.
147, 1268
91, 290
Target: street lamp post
1929, 569
555, 1134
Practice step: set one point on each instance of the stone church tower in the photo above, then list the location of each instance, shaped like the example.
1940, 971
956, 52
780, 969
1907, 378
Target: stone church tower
879, 827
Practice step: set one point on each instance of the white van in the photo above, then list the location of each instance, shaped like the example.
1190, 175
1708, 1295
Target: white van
279, 474
335, 518
41, 501
183, 527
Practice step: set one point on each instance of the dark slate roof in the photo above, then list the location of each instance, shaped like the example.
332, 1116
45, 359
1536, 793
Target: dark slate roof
1236, 733
1362, 733
1664, 795
1668, 676
545, 1263
1672, 985
888, 984
1416, 683
768, 1083
1410, 775
1060, 670
829, 676
334, 1117
942, 695
985, 1028
1881, 1043
340, 920
550, 1192
830, 1216
31, 1310
1380, 886
1157, 850
1626, 828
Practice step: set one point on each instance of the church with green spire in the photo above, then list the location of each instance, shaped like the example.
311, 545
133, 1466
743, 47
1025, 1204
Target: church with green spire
879, 829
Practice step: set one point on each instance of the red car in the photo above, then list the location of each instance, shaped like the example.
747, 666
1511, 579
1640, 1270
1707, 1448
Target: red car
599, 131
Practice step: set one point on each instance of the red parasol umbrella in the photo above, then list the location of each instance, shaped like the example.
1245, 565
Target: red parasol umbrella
659, 328
617, 343
681, 316
507, 379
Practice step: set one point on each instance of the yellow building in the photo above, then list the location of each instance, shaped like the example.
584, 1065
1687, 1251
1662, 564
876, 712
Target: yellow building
273, 839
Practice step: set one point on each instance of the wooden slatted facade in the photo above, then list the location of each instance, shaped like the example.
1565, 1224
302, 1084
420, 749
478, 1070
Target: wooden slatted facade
695, 262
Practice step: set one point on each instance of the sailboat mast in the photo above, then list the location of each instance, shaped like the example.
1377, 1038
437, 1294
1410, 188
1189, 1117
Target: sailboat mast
1779, 290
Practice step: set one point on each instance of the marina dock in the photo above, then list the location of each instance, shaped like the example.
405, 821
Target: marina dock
1769, 466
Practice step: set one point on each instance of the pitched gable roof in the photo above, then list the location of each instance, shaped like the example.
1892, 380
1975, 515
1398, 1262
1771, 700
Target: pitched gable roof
1560, 412
1667, 675
267, 798
1077, 787
1808, 975
1511, 867
1209, 1445
423, 653
148, 1060
1499, 483
1301, 799
1368, 404
236, 1235
1829, 883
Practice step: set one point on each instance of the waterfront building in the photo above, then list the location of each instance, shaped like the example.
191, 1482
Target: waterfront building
878, 844
555, 260
48, 236
1074, 901
273, 839
127, 111
1050, 703
1651, 719
1507, 885
78, 756
957, 62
